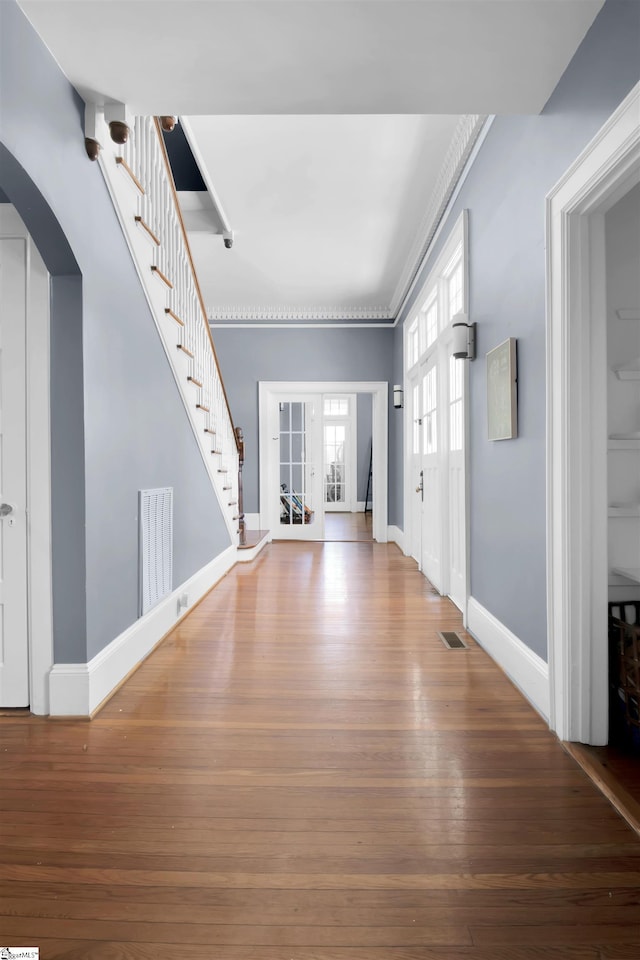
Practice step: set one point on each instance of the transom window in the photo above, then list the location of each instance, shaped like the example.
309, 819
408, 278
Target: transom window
336, 407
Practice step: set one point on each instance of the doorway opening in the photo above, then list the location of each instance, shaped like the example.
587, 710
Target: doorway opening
26, 631
323, 453
577, 425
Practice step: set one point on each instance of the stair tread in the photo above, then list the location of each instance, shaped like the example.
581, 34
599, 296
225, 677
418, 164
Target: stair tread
253, 538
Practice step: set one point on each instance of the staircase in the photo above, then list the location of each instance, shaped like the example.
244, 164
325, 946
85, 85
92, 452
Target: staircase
141, 185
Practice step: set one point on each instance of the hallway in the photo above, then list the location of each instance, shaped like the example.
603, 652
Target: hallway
303, 771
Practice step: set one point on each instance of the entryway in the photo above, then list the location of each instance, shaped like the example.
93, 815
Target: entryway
26, 648
313, 467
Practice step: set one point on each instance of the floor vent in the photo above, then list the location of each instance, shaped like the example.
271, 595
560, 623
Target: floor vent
452, 640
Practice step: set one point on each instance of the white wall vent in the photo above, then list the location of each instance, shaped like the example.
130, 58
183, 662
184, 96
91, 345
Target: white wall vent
155, 510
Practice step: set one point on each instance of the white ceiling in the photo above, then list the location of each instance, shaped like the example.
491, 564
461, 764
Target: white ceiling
323, 124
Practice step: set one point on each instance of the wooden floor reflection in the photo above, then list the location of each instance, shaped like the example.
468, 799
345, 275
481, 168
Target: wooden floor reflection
302, 771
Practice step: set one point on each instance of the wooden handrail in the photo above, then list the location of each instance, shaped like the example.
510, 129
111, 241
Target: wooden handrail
193, 269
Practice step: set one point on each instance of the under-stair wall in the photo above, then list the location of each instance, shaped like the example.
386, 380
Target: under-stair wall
134, 430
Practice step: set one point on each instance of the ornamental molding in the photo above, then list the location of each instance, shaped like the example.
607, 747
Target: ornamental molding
458, 153
273, 314
462, 143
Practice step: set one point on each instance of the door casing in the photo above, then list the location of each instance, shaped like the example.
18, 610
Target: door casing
273, 391
577, 589
39, 599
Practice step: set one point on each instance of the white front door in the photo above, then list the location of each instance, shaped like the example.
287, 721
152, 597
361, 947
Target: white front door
431, 473
14, 650
296, 468
416, 472
456, 490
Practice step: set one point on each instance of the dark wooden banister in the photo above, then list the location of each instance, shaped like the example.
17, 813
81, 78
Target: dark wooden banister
242, 529
193, 269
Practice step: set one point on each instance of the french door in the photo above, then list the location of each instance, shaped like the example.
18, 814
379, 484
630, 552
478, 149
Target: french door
431, 494
436, 487
295, 482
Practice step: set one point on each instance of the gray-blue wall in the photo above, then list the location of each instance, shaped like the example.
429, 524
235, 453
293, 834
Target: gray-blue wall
248, 356
118, 423
518, 164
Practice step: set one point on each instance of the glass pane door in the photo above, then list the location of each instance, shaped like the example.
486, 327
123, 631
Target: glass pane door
335, 436
299, 508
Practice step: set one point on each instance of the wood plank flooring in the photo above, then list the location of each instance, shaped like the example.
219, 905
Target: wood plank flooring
348, 526
302, 771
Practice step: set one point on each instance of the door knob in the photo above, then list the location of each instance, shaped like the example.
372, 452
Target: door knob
5, 509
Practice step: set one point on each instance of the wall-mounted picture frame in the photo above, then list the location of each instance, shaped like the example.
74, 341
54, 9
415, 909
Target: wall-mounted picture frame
502, 396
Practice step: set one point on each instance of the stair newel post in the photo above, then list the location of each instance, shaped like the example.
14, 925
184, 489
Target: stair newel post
241, 525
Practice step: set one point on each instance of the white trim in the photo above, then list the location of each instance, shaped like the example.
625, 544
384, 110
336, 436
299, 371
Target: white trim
524, 668
453, 167
396, 535
461, 152
302, 319
576, 424
39, 483
269, 390
40, 613
252, 521
444, 219
275, 313
78, 689
382, 325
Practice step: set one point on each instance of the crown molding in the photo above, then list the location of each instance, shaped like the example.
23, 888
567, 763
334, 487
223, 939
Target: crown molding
460, 148
271, 314
458, 153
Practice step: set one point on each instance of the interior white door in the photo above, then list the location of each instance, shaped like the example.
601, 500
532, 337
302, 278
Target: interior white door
296, 468
431, 472
456, 484
14, 650
416, 472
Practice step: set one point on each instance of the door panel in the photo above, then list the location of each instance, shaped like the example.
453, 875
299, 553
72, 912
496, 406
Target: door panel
297, 494
431, 456
14, 659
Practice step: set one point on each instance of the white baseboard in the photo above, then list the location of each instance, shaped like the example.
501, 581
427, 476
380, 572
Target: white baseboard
77, 689
524, 668
396, 535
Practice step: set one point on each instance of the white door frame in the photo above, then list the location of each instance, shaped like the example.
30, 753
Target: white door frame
269, 391
577, 424
39, 600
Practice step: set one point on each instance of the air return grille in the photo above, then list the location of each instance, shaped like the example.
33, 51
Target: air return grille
452, 640
155, 509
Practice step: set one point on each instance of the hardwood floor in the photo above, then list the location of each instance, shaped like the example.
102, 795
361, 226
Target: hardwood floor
348, 526
302, 771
